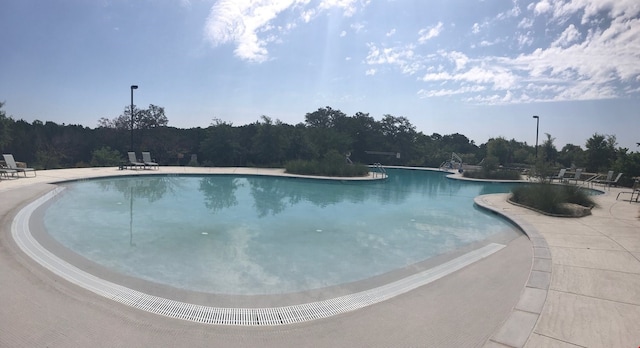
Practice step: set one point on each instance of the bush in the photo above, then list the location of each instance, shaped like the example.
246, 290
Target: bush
493, 175
105, 157
491, 171
333, 164
551, 198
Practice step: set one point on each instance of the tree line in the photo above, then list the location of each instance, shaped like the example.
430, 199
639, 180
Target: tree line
267, 142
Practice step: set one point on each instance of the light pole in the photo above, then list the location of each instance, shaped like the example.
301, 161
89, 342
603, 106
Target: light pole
537, 128
131, 111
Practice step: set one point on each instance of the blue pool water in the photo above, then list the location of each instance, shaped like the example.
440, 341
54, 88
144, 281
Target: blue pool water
251, 235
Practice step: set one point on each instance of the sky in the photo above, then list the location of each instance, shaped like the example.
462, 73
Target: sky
481, 68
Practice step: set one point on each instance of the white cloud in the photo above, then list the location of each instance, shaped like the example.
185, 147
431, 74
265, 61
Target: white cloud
248, 24
350, 7
513, 12
525, 39
459, 58
390, 33
596, 60
424, 93
402, 57
485, 43
429, 33
526, 23
542, 7
239, 22
476, 28
343, 33
370, 72
500, 78
568, 36
357, 27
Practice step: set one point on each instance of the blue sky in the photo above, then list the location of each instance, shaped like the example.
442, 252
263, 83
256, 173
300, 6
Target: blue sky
480, 68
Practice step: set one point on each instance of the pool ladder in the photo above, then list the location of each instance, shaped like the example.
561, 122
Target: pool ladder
379, 169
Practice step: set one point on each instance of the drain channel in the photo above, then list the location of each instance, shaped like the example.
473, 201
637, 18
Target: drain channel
227, 316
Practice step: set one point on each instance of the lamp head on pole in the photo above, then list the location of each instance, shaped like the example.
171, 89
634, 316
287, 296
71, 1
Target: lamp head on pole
538, 117
134, 86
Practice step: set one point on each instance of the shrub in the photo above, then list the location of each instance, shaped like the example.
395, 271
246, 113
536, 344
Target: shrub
490, 170
551, 198
333, 164
493, 175
105, 157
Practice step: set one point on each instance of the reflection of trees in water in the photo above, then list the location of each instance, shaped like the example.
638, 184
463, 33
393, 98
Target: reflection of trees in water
402, 182
272, 196
152, 188
219, 191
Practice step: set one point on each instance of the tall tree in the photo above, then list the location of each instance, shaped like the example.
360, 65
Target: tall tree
601, 152
149, 118
549, 151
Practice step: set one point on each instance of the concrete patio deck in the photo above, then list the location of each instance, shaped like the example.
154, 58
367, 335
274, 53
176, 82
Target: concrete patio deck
579, 285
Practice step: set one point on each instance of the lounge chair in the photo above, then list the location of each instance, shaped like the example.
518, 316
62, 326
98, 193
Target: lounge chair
7, 171
146, 159
559, 177
615, 181
11, 164
577, 176
133, 161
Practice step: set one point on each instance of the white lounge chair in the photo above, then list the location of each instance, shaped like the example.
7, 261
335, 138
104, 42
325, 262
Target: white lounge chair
577, 175
613, 182
146, 159
559, 177
11, 164
133, 161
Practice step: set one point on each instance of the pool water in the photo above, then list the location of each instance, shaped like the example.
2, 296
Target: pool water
251, 235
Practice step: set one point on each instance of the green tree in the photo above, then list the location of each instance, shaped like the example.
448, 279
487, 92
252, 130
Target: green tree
500, 149
571, 156
5, 128
149, 118
600, 153
221, 147
549, 151
105, 157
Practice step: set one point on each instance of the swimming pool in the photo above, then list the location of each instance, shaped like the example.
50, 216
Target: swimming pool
253, 235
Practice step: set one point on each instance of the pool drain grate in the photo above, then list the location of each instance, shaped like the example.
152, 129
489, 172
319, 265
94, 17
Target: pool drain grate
228, 316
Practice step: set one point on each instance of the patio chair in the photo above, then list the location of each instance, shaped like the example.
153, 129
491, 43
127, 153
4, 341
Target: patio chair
615, 181
559, 176
133, 161
6, 172
605, 181
146, 159
11, 164
577, 176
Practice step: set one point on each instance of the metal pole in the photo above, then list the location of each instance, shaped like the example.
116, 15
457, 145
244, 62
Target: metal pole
131, 111
537, 128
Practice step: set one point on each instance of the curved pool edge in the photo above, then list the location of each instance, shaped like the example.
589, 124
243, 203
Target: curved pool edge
517, 328
72, 312
224, 315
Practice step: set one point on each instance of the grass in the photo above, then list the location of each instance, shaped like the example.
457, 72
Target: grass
551, 198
